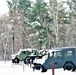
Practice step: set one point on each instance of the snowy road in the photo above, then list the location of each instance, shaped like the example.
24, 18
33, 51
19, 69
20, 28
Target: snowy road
9, 69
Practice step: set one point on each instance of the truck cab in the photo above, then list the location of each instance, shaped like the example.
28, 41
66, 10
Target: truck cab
62, 57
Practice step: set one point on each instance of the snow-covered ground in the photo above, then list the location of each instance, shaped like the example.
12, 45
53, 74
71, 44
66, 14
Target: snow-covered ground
16, 69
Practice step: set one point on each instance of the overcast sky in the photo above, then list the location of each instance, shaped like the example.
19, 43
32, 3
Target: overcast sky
4, 7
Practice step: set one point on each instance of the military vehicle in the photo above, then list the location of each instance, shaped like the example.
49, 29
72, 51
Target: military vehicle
62, 57
27, 55
23, 54
35, 55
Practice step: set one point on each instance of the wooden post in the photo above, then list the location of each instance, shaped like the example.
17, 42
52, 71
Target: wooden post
52, 68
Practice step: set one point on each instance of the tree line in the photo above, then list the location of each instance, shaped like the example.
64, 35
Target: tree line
38, 25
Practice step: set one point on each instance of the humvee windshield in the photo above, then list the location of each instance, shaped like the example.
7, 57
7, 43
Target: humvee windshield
55, 53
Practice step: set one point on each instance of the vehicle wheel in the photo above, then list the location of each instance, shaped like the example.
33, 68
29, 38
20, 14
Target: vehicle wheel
28, 61
25, 61
69, 66
16, 60
36, 67
43, 69
39, 67
73, 69
13, 61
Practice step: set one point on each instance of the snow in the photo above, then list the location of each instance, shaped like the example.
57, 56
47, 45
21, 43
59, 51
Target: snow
7, 68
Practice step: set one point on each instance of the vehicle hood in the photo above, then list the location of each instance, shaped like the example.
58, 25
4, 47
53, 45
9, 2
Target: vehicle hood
41, 61
13, 56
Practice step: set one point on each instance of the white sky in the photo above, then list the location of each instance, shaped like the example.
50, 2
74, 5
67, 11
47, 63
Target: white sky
4, 7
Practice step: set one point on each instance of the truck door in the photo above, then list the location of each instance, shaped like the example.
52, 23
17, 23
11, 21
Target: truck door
24, 54
57, 59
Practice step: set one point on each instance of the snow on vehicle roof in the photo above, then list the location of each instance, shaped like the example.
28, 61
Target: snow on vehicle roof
28, 49
61, 48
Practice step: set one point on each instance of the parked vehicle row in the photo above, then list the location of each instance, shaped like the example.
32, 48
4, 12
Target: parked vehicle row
26, 55
64, 57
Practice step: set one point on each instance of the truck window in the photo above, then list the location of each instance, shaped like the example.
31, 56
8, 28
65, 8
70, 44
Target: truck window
23, 52
28, 53
68, 53
57, 54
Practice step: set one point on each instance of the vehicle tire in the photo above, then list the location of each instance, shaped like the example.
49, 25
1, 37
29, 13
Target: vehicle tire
36, 67
25, 61
28, 61
16, 60
13, 61
73, 69
69, 66
39, 67
43, 69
